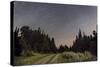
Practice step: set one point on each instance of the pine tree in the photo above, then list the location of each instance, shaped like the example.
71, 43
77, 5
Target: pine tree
17, 45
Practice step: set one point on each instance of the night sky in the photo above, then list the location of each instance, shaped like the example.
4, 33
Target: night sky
59, 21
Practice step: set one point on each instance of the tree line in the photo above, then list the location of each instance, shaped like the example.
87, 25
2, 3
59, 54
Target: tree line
85, 43
27, 40
32, 40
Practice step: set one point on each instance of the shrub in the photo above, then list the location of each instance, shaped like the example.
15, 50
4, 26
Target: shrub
74, 57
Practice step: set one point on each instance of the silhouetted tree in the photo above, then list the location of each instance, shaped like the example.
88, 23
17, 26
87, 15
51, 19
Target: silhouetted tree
79, 34
17, 45
61, 48
85, 43
36, 40
93, 44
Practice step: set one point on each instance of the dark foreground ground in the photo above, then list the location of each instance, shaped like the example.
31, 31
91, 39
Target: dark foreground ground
52, 58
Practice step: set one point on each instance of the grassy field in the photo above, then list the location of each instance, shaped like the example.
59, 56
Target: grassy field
64, 57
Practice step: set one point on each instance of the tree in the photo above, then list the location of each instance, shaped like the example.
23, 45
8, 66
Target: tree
93, 44
53, 47
17, 45
81, 43
85, 43
36, 40
79, 34
26, 39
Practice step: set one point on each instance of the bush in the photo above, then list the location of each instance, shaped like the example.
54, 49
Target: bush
74, 57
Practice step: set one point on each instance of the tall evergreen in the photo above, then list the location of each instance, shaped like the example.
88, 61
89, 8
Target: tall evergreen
85, 43
17, 45
36, 40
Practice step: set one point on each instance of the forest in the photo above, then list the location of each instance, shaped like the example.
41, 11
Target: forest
30, 44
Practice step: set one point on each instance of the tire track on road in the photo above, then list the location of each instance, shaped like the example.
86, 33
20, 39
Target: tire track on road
54, 59
44, 60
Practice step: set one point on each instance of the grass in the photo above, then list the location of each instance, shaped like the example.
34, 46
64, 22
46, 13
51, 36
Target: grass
64, 57
77, 57
23, 60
